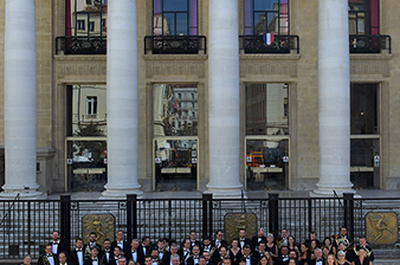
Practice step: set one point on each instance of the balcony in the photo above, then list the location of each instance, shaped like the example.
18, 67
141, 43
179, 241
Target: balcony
370, 44
81, 44
280, 44
175, 45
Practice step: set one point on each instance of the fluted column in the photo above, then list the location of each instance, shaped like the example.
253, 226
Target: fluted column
223, 89
122, 99
334, 98
20, 99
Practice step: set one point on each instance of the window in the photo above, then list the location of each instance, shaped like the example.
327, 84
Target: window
80, 24
364, 17
86, 12
364, 109
91, 105
266, 16
91, 26
175, 17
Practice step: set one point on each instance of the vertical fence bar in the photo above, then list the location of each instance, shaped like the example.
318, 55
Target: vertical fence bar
273, 213
131, 226
309, 215
206, 198
66, 220
349, 213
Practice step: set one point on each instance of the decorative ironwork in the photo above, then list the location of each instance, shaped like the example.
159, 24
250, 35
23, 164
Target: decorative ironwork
370, 43
175, 44
382, 228
280, 44
82, 44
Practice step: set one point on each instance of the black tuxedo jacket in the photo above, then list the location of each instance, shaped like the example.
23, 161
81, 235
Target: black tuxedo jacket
42, 260
140, 250
103, 258
125, 245
254, 240
61, 246
181, 254
314, 261
190, 261
73, 257
90, 262
246, 241
194, 243
128, 255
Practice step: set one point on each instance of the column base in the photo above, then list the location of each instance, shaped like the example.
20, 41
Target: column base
227, 193
120, 192
326, 192
22, 194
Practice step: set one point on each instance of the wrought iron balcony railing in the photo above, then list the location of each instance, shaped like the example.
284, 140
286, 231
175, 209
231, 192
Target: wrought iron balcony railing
175, 44
82, 44
370, 43
280, 44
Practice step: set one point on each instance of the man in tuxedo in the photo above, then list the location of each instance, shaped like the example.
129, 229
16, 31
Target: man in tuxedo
144, 248
48, 257
282, 240
218, 242
243, 240
92, 243
132, 253
93, 260
117, 253
194, 258
248, 256
122, 261
168, 259
259, 237
76, 256
62, 259
319, 260
206, 247
283, 258
193, 239
184, 252
106, 254
119, 241
58, 244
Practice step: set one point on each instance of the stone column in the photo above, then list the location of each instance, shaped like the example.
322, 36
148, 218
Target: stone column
224, 107
20, 99
122, 99
334, 98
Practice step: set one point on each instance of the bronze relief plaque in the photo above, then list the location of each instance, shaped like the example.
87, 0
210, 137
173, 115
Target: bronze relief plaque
235, 221
102, 224
381, 228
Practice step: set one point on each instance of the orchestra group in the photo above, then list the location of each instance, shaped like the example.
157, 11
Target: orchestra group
261, 249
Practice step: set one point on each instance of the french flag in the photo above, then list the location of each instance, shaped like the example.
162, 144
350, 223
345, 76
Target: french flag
268, 38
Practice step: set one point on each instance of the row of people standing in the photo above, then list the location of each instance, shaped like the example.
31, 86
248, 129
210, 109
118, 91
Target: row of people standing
273, 250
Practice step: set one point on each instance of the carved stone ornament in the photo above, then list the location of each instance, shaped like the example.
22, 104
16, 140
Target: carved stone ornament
102, 224
381, 228
235, 221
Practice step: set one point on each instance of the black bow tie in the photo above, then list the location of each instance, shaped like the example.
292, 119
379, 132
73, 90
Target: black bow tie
49, 256
55, 243
79, 250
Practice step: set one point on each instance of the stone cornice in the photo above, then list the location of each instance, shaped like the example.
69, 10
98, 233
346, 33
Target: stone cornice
264, 56
174, 57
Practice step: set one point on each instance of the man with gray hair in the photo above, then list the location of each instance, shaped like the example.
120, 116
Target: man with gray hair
121, 261
319, 259
175, 259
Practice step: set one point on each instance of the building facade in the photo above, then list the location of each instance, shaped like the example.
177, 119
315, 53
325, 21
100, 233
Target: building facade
215, 96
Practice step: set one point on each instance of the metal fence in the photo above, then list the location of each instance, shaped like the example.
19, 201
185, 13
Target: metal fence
26, 226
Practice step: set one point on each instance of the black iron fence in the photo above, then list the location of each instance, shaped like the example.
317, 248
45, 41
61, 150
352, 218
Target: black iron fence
279, 44
370, 43
81, 44
26, 226
191, 44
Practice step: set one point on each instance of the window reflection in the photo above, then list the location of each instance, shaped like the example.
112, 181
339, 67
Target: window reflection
172, 105
88, 108
175, 17
267, 109
86, 17
363, 17
266, 16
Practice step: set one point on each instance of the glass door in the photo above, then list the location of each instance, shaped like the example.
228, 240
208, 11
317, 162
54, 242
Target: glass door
86, 163
175, 166
267, 163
